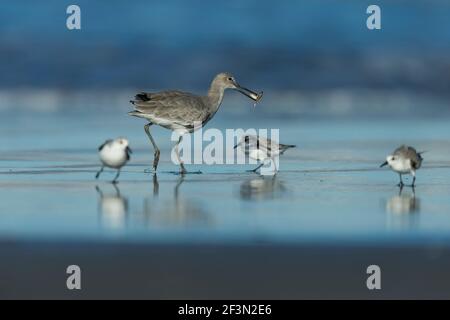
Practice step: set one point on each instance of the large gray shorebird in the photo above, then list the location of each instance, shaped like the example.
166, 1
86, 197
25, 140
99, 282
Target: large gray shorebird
184, 112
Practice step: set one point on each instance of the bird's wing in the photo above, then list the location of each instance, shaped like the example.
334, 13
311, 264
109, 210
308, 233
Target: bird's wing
411, 154
104, 144
268, 145
408, 152
259, 143
174, 106
415, 157
401, 151
129, 152
155, 96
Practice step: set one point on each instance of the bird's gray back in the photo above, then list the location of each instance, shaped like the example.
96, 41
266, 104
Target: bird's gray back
408, 152
169, 108
264, 144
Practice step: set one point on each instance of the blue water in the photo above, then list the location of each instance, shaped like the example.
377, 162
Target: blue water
346, 96
289, 45
328, 189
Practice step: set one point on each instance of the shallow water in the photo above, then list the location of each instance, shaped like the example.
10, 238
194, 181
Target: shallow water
328, 189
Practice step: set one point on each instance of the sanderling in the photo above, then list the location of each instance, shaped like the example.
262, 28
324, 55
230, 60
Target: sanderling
184, 112
114, 154
261, 149
404, 160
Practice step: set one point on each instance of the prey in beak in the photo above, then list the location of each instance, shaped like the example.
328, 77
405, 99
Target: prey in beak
249, 93
384, 164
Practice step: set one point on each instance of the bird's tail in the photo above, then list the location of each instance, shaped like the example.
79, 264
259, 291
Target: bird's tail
284, 147
135, 113
140, 97
421, 152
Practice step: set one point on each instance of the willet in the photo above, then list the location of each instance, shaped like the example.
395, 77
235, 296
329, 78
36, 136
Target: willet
404, 160
114, 154
261, 149
184, 112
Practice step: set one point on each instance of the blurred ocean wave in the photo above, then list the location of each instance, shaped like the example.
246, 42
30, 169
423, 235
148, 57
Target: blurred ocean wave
275, 104
288, 46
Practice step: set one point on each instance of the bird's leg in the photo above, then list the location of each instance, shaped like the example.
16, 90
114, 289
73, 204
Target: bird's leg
177, 187
99, 172
414, 179
116, 177
117, 190
157, 152
256, 169
275, 164
400, 191
400, 184
155, 185
183, 170
99, 192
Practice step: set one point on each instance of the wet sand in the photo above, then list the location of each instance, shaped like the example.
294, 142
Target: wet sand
309, 232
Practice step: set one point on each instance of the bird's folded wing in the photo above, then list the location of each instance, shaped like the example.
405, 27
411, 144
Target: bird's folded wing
104, 144
156, 96
266, 148
174, 106
407, 152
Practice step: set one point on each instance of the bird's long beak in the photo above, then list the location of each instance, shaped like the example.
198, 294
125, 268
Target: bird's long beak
249, 93
383, 164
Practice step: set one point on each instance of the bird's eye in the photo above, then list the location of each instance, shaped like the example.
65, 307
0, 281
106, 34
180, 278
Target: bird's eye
230, 79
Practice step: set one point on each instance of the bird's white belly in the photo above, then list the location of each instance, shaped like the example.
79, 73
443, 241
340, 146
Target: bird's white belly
180, 130
402, 167
113, 158
258, 154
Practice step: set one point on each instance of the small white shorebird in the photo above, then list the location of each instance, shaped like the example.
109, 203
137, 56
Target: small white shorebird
114, 154
184, 112
404, 160
261, 149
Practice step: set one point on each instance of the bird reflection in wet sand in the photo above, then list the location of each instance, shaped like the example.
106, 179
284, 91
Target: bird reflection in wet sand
113, 209
403, 210
266, 187
176, 212
155, 185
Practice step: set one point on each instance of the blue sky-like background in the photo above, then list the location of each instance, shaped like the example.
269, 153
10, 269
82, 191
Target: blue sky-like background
283, 45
